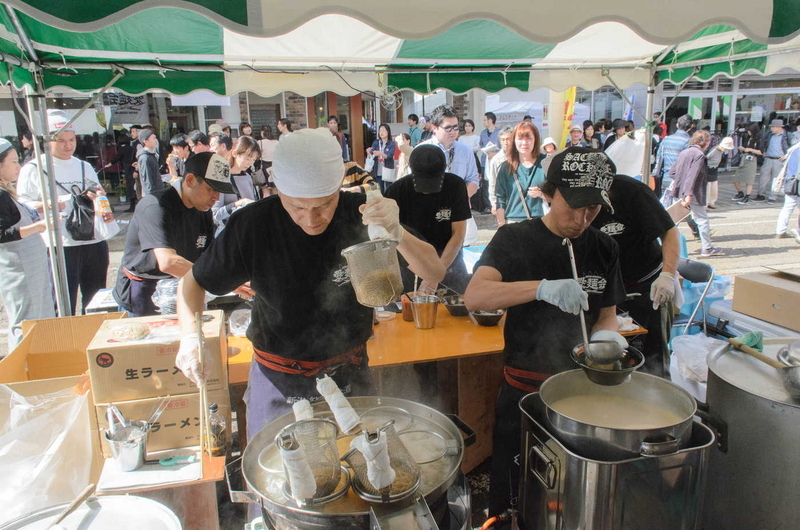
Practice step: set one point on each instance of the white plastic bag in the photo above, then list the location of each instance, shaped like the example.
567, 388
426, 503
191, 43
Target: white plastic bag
691, 352
628, 155
45, 450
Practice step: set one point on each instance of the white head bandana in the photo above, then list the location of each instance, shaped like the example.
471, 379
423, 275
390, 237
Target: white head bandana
308, 164
56, 119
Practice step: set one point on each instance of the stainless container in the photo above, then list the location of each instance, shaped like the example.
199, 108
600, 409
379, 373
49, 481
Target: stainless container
604, 443
754, 469
562, 490
350, 512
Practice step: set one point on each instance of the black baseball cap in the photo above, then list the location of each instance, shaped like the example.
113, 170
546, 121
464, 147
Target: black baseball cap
211, 168
427, 163
583, 176
619, 123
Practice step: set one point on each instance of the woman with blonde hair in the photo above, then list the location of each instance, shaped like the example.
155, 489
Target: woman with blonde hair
241, 158
24, 273
518, 181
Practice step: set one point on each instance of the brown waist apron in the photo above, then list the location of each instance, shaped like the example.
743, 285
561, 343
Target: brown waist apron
284, 365
520, 379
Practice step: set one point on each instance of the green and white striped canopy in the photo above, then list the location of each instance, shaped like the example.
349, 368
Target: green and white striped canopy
268, 47
724, 50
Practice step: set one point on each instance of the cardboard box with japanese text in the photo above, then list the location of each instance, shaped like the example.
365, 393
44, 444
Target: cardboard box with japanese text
125, 370
178, 426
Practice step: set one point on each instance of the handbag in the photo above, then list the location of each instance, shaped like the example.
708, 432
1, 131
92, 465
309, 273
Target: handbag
790, 187
80, 221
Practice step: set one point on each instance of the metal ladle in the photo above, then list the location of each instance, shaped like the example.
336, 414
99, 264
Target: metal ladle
600, 352
790, 375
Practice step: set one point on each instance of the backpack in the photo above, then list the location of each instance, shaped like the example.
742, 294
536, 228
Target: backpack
80, 221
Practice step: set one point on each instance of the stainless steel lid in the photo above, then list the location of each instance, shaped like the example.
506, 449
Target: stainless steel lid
121, 512
751, 375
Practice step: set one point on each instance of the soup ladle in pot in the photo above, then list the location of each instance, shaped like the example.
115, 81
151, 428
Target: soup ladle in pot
601, 352
790, 375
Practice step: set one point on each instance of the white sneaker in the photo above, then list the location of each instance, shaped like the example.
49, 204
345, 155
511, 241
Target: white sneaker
796, 233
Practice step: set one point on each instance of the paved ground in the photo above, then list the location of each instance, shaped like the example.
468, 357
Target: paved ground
746, 233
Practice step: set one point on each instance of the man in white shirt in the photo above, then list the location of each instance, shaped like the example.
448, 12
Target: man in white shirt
460, 160
86, 261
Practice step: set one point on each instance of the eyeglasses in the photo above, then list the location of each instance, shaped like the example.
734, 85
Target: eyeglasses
450, 128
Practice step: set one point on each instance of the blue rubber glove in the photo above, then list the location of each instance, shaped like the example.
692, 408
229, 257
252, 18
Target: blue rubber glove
567, 295
607, 334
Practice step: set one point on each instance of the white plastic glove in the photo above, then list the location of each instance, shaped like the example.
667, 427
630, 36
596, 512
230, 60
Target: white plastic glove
607, 334
567, 295
188, 360
663, 289
383, 212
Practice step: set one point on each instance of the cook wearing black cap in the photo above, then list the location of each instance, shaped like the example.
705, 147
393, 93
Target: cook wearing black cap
169, 230
526, 270
436, 205
620, 127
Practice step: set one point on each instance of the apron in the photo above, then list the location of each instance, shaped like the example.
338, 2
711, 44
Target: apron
25, 281
270, 397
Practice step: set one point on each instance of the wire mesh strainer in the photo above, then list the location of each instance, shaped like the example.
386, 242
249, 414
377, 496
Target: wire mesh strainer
317, 437
374, 272
407, 472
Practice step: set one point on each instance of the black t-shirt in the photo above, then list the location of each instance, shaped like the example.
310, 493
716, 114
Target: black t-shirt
432, 214
538, 335
639, 219
305, 307
162, 220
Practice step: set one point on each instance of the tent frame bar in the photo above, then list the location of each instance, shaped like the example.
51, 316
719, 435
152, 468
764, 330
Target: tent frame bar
731, 58
621, 92
90, 103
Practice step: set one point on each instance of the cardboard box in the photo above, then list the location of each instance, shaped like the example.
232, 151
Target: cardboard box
178, 426
53, 347
770, 296
141, 369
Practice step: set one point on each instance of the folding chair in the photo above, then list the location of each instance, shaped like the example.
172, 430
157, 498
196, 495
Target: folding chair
695, 271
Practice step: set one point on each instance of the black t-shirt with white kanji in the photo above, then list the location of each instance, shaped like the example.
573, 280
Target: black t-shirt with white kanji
538, 335
162, 220
305, 307
432, 214
639, 219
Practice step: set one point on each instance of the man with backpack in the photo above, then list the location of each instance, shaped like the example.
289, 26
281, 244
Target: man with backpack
86, 257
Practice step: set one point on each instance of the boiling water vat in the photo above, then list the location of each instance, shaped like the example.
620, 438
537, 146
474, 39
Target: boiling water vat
615, 412
272, 479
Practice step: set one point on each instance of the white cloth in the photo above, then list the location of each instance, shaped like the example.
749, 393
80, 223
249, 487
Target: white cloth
302, 410
628, 155
379, 469
68, 172
307, 164
473, 141
301, 478
267, 149
345, 416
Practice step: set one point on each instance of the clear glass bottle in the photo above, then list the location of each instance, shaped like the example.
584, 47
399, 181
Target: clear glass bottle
217, 431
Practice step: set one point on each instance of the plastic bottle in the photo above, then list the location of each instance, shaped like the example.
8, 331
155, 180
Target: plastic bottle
104, 208
217, 431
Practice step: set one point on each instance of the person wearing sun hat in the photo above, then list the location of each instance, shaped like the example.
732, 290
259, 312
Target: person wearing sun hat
86, 261
526, 270
169, 231
25, 286
306, 321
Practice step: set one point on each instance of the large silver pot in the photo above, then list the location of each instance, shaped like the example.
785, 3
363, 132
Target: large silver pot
350, 511
609, 444
753, 471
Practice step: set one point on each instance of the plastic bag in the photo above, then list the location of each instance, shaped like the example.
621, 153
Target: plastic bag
691, 352
166, 296
45, 450
628, 154
239, 321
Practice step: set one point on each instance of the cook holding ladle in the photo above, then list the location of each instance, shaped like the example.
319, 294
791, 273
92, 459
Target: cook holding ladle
526, 269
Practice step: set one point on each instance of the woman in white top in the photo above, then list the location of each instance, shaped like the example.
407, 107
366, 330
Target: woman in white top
284, 127
469, 137
403, 142
267, 145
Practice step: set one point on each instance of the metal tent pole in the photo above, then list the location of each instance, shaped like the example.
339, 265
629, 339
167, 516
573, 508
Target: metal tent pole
648, 128
51, 212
